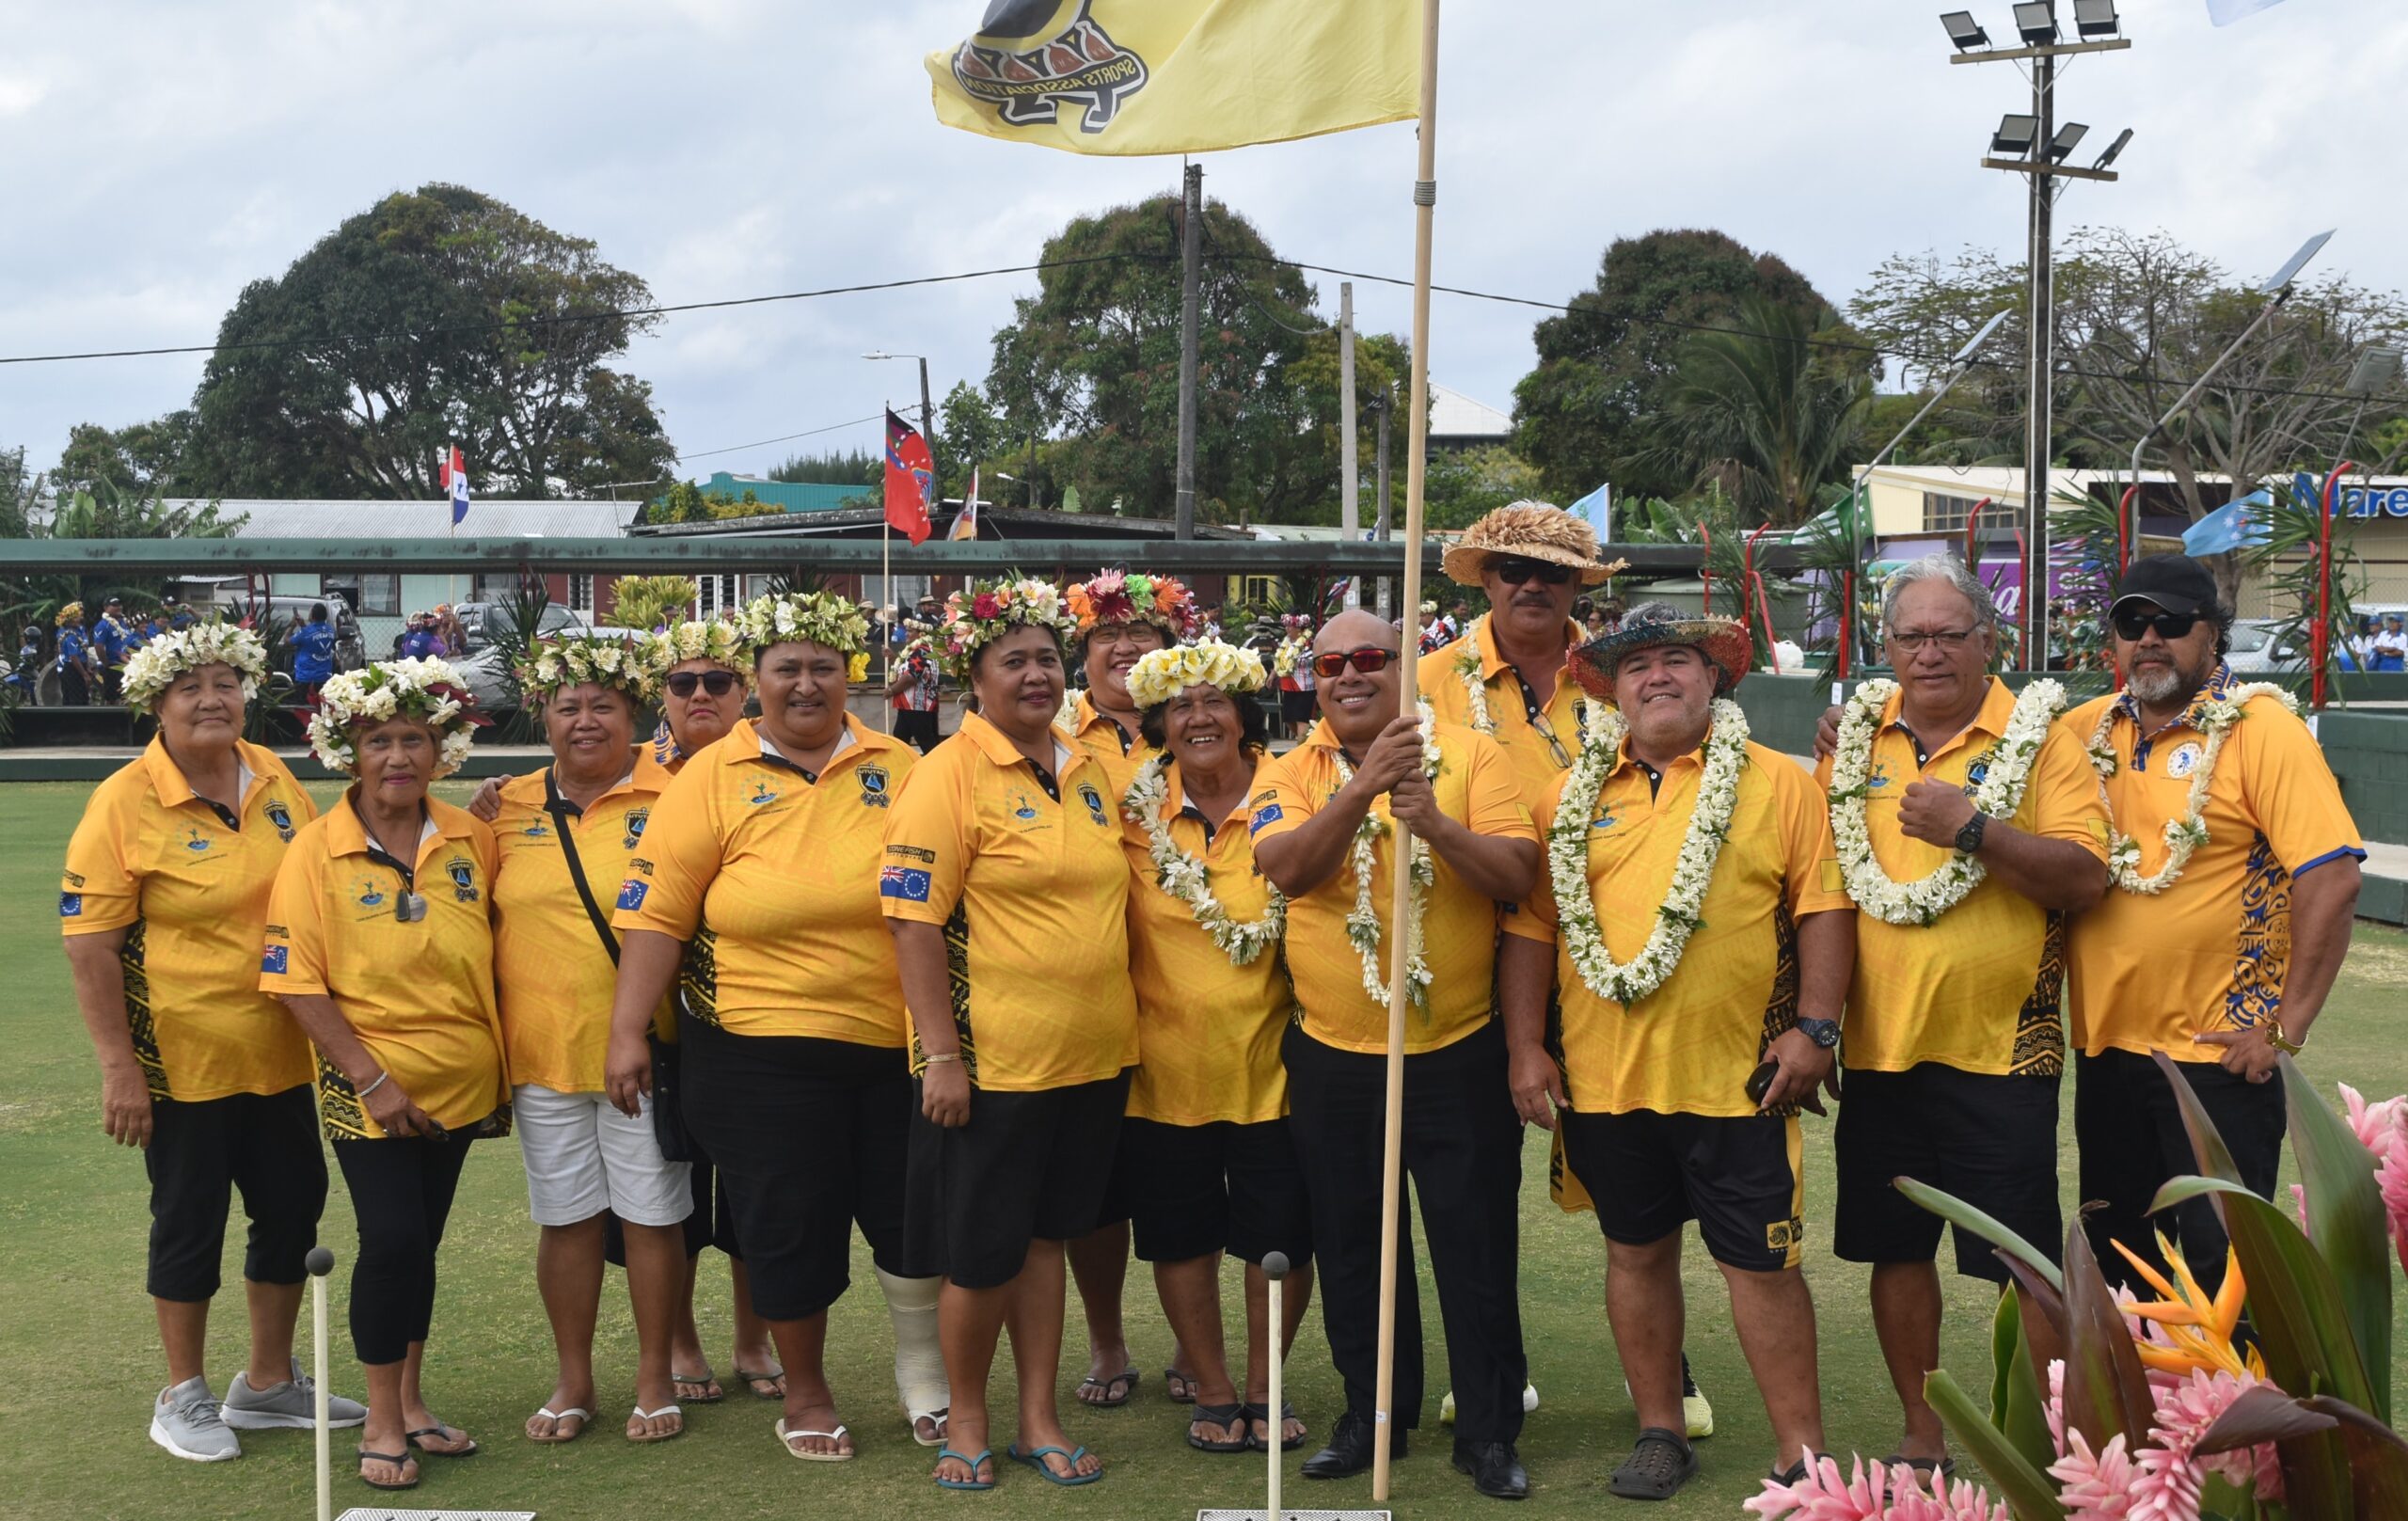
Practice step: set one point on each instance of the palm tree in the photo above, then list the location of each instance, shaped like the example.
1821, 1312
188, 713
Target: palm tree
1760, 411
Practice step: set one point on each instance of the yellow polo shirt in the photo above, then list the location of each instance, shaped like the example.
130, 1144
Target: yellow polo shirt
1119, 755
420, 996
2150, 973
1536, 763
1026, 875
1475, 787
769, 874
191, 891
554, 979
1979, 991
1689, 1047
1208, 1030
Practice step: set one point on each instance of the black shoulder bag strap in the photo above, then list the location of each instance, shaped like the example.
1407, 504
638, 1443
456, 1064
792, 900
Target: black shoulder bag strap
557, 806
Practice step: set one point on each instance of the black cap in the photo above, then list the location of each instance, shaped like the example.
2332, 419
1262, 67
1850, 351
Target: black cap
2175, 583
114, 602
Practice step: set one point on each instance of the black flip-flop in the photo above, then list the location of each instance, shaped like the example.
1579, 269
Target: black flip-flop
438, 1429
1124, 1381
399, 1460
1927, 1469
1660, 1463
1261, 1412
1224, 1415
1179, 1387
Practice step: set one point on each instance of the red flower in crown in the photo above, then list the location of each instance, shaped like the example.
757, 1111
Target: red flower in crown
987, 605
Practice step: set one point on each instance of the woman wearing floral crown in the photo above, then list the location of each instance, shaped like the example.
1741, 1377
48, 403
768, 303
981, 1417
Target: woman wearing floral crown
380, 943
1122, 616
1205, 1149
1007, 893
166, 886
754, 895
565, 835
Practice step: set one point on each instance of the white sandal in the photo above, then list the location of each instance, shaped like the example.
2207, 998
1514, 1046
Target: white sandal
937, 1418
788, 1440
583, 1417
669, 1409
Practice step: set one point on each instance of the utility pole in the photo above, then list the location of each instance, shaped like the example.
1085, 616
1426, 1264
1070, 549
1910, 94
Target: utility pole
1382, 405
1350, 516
2040, 151
928, 413
1191, 254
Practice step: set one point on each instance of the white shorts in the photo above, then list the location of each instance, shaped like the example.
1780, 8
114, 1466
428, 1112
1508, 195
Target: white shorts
583, 1157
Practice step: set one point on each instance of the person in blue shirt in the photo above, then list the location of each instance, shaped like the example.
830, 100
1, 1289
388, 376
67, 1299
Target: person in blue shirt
420, 641
313, 652
28, 666
110, 637
77, 664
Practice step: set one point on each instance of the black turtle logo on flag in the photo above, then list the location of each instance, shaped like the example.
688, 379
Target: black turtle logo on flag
1027, 60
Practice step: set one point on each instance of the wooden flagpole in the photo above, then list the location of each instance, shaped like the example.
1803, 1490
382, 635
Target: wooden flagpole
1399, 937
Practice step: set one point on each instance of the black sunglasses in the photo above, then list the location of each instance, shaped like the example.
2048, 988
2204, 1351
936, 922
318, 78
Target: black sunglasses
1370, 659
1513, 570
2169, 626
717, 683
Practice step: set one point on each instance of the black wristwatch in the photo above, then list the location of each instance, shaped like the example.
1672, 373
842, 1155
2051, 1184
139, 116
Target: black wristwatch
1968, 839
1824, 1033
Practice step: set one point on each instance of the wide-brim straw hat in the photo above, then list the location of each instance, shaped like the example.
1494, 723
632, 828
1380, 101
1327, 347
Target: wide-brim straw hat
1534, 530
1722, 641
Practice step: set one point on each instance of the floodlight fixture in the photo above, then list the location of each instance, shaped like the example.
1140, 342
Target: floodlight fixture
1972, 344
2067, 137
2096, 18
2296, 263
1964, 30
2115, 150
2035, 21
2378, 366
2015, 134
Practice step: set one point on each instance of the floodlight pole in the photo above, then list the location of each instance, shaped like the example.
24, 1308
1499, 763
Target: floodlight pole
2041, 165
2132, 536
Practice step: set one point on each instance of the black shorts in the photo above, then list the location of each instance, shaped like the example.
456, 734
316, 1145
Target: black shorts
1028, 1166
808, 1137
1741, 1178
1222, 1187
263, 1145
917, 729
1296, 707
1990, 1139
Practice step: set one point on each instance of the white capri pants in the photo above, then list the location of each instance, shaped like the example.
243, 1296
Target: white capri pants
583, 1156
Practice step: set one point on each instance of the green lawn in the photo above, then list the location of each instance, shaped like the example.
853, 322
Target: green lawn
83, 1355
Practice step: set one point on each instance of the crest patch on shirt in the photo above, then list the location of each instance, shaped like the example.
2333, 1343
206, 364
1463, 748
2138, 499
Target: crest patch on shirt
873, 780
2185, 759
1094, 799
281, 817
463, 872
637, 819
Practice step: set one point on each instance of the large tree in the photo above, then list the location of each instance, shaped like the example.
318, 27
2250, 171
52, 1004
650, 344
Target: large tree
436, 315
1091, 364
1593, 410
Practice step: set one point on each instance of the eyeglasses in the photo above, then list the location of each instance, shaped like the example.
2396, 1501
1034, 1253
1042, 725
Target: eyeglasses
2169, 626
1513, 570
1108, 635
717, 683
1371, 660
1949, 639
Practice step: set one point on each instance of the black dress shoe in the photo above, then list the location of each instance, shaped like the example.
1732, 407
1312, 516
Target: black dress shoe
1495, 1472
1349, 1451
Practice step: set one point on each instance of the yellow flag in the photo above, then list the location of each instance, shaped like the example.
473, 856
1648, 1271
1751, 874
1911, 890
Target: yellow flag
1180, 76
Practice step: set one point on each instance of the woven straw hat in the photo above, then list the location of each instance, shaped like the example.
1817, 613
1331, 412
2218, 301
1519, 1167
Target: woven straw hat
1534, 530
1722, 641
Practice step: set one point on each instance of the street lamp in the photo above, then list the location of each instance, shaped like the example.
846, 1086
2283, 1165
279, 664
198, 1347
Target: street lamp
2035, 21
1964, 31
2278, 286
2096, 18
2015, 134
2064, 141
928, 413
2115, 150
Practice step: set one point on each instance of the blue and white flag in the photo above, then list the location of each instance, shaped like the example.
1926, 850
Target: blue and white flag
1596, 509
2236, 525
455, 472
2225, 12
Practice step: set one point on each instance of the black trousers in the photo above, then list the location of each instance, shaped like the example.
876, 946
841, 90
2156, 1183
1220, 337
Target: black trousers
2129, 1132
917, 729
264, 1145
1462, 1153
401, 1191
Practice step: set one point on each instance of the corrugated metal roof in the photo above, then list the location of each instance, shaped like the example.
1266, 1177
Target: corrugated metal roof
1453, 415
279, 519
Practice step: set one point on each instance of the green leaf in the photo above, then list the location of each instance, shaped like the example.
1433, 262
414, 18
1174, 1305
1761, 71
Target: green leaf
2006, 1336
2017, 1393
2347, 1221
2029, 1493
2378, 1461
2264, 1414
2215, 1158
2106, 1391
1963, 1215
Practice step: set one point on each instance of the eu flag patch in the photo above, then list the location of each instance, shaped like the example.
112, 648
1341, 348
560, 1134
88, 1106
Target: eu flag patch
69, 905
274, 961
908, 883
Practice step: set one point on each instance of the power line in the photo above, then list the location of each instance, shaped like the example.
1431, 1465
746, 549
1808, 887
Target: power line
758, 443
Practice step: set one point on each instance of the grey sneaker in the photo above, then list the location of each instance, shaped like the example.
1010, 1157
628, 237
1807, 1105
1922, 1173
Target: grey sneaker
186, 1423
291, 1405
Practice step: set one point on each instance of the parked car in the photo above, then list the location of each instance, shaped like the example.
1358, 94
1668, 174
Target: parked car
483, 667
2256, 648
473, 617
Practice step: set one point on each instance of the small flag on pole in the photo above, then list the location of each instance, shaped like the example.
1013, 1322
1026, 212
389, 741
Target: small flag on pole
966, 525
2236, 525
1596, 510
910, 474
455, 478
2225, 12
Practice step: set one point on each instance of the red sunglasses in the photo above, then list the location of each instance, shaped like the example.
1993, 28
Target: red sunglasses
1371, 660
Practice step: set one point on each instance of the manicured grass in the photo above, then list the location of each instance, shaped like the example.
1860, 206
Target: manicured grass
82, 1349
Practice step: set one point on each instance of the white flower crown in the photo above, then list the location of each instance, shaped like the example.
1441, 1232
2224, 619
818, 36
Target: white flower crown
1162, 674
633, 666
426, 690
819, 617
153, 669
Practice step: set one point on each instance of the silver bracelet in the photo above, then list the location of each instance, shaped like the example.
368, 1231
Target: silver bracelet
935, 1057
382, 1078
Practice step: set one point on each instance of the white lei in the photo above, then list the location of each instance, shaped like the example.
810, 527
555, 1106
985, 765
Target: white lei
1567, 851
1999, 794
1363, 924
1475, 689
2213, 719
1184, 878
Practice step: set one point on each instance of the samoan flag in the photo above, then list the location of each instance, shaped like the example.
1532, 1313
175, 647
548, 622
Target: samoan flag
455, 475
2236, 525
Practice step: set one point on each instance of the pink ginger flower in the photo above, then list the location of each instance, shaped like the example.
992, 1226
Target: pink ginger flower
2057, 1411
2184, 1412
2097, 1486
2168, 1487
2378, 1125
1870, 1492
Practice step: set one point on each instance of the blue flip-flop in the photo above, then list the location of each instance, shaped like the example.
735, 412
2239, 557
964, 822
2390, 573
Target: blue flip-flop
1035, 1459
986, 1454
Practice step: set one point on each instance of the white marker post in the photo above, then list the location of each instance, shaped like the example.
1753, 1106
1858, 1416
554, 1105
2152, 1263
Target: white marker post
320, 1262
1274, 1268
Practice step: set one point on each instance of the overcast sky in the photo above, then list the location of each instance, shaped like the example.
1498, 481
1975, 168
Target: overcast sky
156, 157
